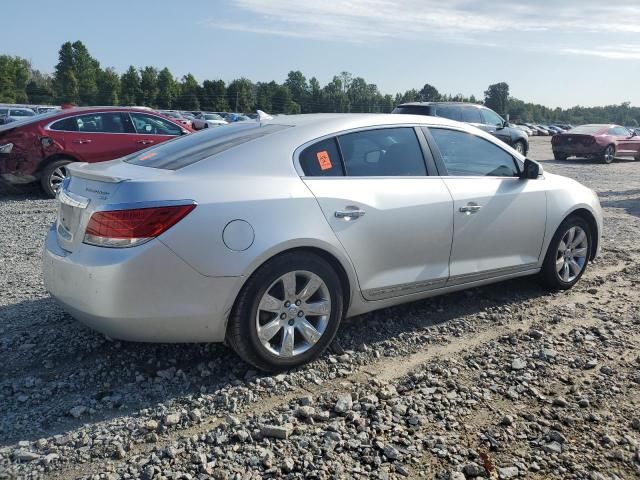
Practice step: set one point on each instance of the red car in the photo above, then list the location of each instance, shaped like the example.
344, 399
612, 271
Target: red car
604, 142
38, 149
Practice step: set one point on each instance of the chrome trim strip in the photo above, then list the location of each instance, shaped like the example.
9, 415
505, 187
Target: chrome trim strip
403, 289
72, 199
486, 274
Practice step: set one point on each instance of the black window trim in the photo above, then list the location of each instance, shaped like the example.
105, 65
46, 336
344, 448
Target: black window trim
427, 155
438, 156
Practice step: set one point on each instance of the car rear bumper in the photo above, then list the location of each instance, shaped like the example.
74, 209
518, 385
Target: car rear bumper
578, 150
145, 293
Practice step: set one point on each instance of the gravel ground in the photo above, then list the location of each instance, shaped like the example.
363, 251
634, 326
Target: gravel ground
505, 381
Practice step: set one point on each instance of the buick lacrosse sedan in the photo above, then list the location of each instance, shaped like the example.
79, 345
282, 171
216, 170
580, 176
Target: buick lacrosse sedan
266, 234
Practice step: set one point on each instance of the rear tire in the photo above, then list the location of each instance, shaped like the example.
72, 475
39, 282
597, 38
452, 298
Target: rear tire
609, 154
520, 147
53, 176
560, 157
265, 316
568, 254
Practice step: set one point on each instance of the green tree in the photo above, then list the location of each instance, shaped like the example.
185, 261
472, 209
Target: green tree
149, 86
86, 69
108, 87
14, 75
429, 93
496, 97
213, 96
130, 92
167, 89
189, 90
299, 88
64, 79
239, 95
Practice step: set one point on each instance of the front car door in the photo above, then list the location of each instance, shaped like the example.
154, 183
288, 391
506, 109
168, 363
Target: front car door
96, 137
499, 219
394, 221
627, 145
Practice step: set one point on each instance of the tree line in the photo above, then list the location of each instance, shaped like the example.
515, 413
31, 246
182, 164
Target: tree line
79, 79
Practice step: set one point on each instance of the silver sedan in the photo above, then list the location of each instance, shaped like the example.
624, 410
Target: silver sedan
266, 234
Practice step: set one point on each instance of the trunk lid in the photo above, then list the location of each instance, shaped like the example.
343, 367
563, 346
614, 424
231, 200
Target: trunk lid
89, 188
574, 139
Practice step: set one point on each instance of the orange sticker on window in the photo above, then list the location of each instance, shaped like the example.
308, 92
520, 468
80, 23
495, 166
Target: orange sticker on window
324, 160
147, 156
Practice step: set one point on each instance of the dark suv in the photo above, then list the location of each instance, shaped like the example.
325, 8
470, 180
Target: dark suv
476, 115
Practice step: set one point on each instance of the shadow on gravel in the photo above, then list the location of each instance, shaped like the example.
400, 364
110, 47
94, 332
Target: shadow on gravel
31, 191
51, 363
630, 205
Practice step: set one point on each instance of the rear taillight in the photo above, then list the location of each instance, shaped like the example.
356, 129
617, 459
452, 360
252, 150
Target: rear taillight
127, 228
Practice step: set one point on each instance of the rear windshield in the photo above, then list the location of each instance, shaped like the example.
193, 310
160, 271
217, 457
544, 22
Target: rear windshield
190, 149
587, 129
414, 109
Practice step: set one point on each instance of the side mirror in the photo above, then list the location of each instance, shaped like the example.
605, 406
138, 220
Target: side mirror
531, 170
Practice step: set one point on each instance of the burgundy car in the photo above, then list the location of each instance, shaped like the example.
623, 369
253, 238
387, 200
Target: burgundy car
604, 142
39, 148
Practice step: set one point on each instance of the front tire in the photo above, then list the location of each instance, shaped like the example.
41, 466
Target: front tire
520, 147
53, 176
609, 154
288, 312
568, 254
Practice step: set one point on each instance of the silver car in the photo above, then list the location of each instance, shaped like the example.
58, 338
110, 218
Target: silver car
266, 234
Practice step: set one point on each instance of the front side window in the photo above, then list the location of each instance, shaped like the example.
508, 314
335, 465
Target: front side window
492, 118
466, 155
385, 152
321, 159
619, 132
151, 125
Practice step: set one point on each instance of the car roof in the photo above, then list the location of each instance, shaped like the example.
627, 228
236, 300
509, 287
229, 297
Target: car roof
424, 104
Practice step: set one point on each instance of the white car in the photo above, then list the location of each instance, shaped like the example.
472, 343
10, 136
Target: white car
206, 120
266, 234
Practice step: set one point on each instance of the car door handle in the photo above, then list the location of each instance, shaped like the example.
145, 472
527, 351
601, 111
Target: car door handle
82, 140
470, 208
145, 142
351, 213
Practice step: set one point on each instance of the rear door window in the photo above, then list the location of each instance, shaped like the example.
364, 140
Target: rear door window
471, 115
452, 112
384, 152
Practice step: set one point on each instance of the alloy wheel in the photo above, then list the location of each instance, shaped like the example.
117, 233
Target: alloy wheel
571, 256
609, 154
57, 177
519, 148
293, 313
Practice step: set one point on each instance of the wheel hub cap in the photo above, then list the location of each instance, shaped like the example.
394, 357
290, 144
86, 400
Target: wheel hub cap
293, 313
571, 255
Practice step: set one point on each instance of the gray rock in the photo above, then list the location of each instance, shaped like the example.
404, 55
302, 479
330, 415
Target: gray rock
276, 431
472, 470
172, 419
344, 403
305, 412
391, 452
25, 456
288, 464
560, 402
507, 472
552, 447
518, 364
76, 412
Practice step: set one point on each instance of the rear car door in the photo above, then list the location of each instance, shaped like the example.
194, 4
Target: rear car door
393, 220
499, 219
96, 137
152, 129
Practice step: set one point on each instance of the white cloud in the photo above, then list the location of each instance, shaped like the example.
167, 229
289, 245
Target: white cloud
580, 23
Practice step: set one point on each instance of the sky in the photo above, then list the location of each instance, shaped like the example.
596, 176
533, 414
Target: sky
557, 53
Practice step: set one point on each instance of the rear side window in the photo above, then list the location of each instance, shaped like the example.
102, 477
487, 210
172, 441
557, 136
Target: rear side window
187, 150
471, 115
68, 124
414, 109
384, 152
451, 112
103, 122
619, 132
467, 155
321, 159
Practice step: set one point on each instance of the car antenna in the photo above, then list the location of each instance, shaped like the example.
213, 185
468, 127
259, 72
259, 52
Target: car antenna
263, 116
